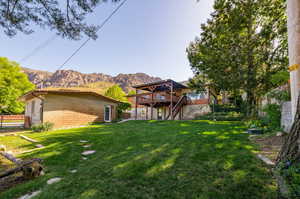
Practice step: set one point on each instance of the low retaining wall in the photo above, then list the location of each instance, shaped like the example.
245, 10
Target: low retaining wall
195, 110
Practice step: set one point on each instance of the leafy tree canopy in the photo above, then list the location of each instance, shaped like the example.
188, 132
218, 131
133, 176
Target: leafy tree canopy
13, 84
67, 18
132, 92
116, 92
242, 47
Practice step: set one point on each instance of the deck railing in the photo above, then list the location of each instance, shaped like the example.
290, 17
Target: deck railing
147, 98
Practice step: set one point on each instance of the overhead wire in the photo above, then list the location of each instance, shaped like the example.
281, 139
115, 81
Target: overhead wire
48, 41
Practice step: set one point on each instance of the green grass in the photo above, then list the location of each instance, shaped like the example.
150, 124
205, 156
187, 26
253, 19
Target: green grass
15, 144
151, 159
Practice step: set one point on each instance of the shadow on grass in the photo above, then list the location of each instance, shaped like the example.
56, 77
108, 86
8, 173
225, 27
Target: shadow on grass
152, 159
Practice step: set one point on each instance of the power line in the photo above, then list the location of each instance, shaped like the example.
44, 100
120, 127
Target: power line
38, 48
88, 39
84, 43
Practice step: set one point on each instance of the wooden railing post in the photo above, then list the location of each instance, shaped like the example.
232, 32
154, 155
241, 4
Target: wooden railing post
136, 103
152, 105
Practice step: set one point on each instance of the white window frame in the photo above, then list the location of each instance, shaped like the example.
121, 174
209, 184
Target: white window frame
110, 113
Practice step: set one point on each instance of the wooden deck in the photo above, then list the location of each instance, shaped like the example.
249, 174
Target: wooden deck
158, 99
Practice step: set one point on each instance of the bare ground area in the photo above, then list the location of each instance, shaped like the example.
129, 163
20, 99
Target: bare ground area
269, 145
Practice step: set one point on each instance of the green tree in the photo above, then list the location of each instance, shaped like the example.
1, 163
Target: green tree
242, 47
13, 84
116, 92
132, 92
67, 18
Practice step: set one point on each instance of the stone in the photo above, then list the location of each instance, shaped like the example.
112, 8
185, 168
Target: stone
73, 171
266, 160
30, 195
2, 148
87, 146
53, 180
88, 152
279, 134
84, 158
83, 141
39, 146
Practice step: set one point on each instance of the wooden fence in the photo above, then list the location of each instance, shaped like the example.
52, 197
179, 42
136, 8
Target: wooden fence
11, 121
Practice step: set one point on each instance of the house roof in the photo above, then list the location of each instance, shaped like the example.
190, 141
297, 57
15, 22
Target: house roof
160, 85
84, 91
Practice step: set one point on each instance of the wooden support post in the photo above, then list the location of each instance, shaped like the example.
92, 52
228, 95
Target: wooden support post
146, 112
164, 109
152, 105
181, 113
172, 117
136, 104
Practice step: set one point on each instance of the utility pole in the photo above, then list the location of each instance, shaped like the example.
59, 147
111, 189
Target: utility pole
293, 13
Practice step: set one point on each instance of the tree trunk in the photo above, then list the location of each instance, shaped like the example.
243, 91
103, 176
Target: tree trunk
250, 103
290, 150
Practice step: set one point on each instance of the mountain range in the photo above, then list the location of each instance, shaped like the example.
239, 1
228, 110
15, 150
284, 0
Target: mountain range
71, 78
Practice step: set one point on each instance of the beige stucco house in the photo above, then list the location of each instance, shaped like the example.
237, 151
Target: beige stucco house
68, 107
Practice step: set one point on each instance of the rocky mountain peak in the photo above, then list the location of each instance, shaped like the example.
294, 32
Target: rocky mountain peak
71, 78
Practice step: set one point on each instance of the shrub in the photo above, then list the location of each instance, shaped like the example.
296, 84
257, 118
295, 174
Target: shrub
47, 126
273, 115
224, 108
222, 116
254, 123
121, 108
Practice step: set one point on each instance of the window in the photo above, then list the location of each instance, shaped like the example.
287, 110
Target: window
107, 113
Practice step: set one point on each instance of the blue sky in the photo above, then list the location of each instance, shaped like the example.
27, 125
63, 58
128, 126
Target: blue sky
147, 36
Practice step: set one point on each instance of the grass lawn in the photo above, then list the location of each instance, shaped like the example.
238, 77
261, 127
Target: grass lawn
151, 159
15, 144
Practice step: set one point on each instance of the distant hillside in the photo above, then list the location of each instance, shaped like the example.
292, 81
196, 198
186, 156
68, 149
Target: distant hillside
71, 78
100, 86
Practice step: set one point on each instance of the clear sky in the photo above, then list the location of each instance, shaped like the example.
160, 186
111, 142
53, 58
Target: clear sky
147, 36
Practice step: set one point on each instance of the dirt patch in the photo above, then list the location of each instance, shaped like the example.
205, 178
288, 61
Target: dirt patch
269, 145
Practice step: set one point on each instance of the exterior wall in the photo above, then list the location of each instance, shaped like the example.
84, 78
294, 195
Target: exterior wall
141, 113
197, 106
34, 113
189, 112
192, 111
75, 110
